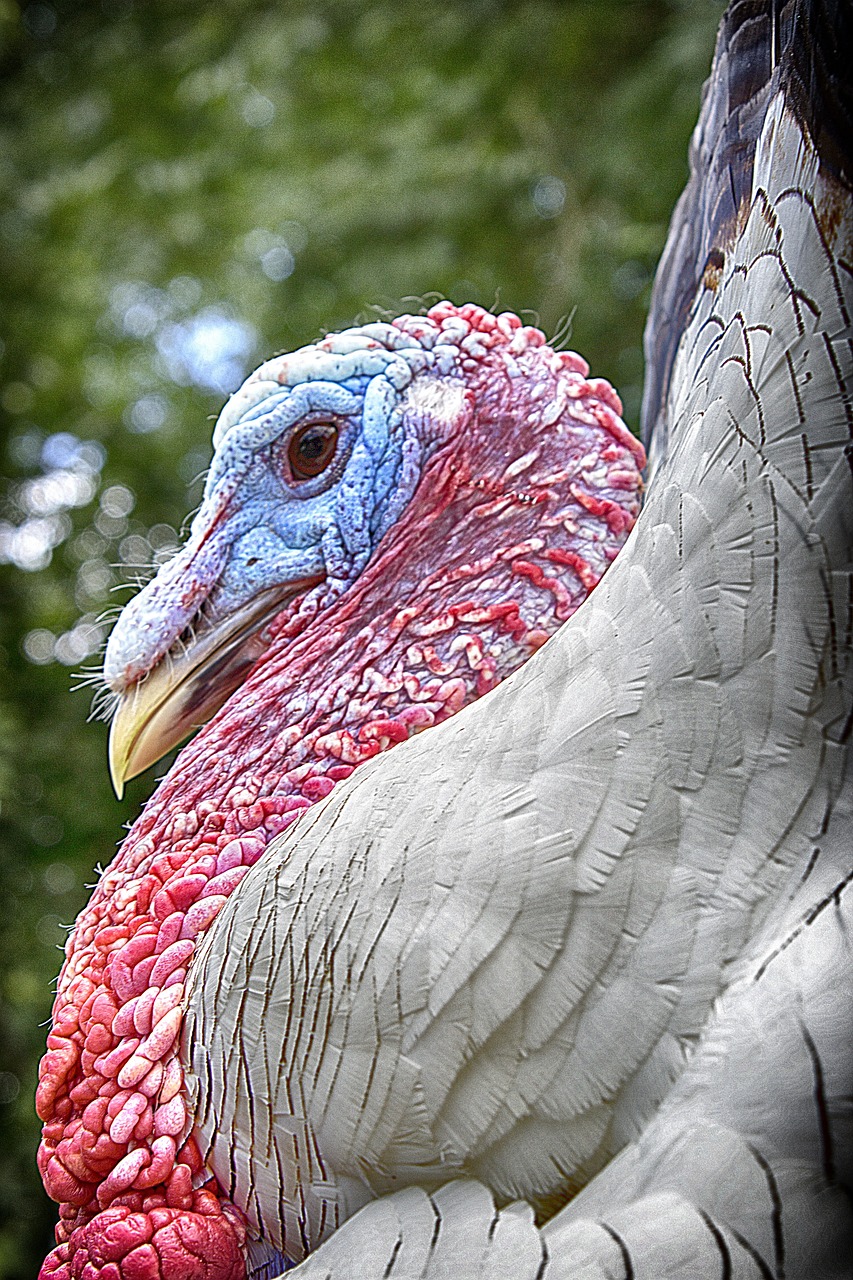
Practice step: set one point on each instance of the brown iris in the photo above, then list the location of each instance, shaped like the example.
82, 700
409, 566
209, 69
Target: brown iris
311, 449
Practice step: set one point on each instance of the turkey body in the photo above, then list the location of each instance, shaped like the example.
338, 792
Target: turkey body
595, 932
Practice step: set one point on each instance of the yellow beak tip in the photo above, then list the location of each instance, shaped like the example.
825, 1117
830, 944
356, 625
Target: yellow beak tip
177, 696
117, 765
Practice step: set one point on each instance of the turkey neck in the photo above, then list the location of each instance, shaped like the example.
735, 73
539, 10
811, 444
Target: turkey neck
404, 649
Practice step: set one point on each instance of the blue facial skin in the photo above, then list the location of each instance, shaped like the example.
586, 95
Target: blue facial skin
258, 529
279, 531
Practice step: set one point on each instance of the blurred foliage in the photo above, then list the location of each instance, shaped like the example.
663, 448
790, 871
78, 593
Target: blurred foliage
185, 188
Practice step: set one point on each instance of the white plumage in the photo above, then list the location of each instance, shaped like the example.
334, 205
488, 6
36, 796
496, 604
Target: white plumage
607, 908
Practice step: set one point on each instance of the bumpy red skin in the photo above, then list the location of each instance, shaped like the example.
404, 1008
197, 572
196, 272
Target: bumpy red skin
487, 561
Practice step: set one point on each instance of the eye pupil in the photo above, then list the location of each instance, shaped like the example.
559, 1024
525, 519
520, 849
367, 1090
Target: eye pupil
312, 445
311, 449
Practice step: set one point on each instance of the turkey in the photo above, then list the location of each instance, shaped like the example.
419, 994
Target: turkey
394, 519
593, 931
604, 955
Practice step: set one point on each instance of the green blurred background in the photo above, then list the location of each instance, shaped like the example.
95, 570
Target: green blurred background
186, 188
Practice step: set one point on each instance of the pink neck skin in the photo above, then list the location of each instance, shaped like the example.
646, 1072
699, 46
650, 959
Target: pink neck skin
405, 648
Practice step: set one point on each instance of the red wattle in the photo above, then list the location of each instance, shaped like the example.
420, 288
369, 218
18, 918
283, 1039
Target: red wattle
123, 1244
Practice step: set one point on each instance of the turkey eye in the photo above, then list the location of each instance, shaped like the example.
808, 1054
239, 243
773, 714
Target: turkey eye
311, 449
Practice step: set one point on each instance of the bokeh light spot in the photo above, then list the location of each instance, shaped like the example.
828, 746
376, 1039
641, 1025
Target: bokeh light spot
549, 196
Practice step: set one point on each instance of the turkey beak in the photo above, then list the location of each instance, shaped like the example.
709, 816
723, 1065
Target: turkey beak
189, 685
